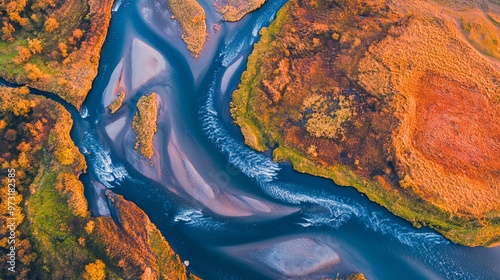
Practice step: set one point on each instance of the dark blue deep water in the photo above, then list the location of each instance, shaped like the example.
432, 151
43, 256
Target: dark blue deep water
204, 174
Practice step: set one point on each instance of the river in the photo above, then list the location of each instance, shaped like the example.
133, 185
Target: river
230, 211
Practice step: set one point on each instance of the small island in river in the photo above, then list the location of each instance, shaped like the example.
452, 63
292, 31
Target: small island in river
234, 10
144, 124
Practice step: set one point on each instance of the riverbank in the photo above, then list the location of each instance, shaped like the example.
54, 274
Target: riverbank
58, 238
278, 105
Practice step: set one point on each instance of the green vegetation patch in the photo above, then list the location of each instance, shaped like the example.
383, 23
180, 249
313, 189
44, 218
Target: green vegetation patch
482, 34
242, 109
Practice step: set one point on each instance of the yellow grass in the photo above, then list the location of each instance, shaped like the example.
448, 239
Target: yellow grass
144, 124
191, 18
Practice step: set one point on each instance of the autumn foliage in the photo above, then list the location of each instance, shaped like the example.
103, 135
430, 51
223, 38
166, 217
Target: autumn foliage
56, 237
20, 145
43, 36
117, 102
95, 271
147, 255
234, 10
398, 100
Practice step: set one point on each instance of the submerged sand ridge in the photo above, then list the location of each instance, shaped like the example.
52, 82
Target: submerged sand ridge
292, 257
157, 132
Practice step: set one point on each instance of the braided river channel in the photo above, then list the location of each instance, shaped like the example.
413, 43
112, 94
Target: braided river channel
232, 212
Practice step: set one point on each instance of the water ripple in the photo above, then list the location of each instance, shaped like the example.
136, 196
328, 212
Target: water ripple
251, 163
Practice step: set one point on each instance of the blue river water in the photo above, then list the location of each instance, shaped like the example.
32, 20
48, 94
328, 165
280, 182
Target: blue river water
231, 212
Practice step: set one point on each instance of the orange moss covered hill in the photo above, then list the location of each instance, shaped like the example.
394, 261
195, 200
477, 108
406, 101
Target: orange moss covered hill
56, 238
53, 45
398, 99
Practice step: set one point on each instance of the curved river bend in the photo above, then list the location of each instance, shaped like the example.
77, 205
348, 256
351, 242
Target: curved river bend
230, 211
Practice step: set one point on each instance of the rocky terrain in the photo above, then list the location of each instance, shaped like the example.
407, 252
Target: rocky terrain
399, 100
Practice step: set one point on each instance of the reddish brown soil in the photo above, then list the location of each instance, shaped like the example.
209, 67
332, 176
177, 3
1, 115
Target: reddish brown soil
457, 127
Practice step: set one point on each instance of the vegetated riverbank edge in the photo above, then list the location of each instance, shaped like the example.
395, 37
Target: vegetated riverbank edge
60, 239
464, 231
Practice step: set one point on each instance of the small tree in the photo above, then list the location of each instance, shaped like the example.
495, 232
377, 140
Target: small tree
51, 24
24, 90
35, 45
77, 33
33, 73
23, 54
7, 31
95, 271
22, 107
23, 160
65, 156
63, 48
